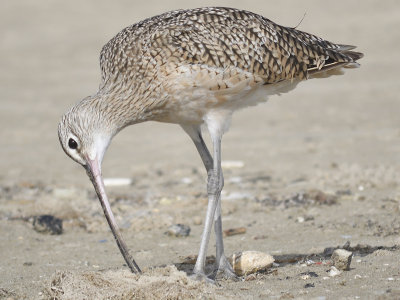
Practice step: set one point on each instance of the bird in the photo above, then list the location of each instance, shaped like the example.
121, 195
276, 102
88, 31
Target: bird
194, 68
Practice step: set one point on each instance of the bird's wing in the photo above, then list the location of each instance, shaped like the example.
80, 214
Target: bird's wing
222, 38
226, 38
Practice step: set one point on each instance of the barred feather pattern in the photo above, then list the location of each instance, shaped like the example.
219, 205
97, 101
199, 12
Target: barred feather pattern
191, 67
228, 45
215, 52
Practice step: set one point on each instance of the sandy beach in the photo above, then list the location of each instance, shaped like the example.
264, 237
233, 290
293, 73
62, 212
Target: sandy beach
311, 170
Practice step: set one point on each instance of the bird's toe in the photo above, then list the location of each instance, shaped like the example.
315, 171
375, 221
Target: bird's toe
226, 274
225, 270
202, 277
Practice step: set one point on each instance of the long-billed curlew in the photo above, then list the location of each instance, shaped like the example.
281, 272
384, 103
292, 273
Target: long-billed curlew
192, 67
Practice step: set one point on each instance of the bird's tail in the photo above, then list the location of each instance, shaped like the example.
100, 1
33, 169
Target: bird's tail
334, 66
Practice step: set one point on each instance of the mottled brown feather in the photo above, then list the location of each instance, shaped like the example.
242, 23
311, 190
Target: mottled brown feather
191, 67
220, 38
154, 69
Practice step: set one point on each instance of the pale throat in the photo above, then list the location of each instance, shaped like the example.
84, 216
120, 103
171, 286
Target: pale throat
101, 141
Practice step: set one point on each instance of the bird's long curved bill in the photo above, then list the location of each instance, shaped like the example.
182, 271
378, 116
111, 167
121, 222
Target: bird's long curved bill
94, 173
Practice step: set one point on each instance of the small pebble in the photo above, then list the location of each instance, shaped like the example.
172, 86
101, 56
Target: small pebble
186, 180
260, 237
249, 262
178, 230
341, 259
329, 251
334, 272
300, 219
309, 262
47, 224
275, 265
308, 275
251, 277
234, 231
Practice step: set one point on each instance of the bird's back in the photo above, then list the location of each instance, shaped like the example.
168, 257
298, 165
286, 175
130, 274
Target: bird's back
215, 48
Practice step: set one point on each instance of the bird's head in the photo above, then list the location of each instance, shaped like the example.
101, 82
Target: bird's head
84, 135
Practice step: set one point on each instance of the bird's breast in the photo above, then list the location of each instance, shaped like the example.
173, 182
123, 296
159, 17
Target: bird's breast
192, 91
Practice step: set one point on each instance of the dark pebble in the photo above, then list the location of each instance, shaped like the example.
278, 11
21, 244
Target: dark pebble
309, 285
178, 230
328, 251
47, 224
311, 274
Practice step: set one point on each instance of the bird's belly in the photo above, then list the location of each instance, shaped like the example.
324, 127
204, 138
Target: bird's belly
191, 105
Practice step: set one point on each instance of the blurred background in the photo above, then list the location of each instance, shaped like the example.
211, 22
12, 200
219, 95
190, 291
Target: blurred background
49, 54
339, 135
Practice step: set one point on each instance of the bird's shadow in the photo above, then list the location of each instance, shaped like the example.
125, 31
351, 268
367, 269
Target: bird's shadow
186, 265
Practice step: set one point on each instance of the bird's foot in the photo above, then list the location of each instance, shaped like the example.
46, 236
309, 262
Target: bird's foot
201, 276
225, 270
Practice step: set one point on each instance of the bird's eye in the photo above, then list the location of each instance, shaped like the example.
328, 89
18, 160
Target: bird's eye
72, 144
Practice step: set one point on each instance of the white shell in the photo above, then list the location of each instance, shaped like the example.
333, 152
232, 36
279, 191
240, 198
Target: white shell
334, 271
249, 262
342, 259
117, 181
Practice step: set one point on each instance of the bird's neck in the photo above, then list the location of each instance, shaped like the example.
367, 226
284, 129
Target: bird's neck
114, 112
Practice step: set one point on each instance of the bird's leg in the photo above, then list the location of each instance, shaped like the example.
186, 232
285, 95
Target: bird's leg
222, 264
195, 134
223, 267
214, 187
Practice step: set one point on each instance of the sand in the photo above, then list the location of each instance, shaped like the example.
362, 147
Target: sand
305, 173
